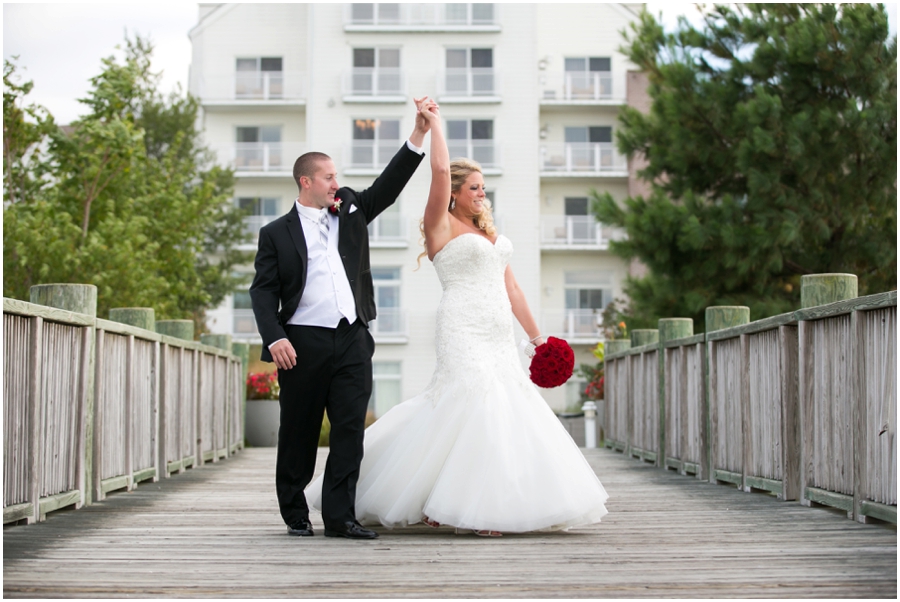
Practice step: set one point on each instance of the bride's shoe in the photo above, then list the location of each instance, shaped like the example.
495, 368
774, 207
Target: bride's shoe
431, 523
485, 533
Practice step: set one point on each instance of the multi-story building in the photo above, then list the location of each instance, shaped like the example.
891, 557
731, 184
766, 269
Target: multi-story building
531, 91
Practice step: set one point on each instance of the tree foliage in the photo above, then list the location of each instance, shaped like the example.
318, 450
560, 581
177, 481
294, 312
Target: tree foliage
125, 198
771, 145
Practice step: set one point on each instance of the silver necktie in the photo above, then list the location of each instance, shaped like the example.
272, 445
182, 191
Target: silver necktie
323, 228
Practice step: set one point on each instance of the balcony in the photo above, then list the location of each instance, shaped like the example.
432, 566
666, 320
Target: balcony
265, 159
582, 159
475, 85
575, 232
369, 157
576, 326
578, 88
421, 17
253, 89
389, 231
485, 152
382, 85
252, 224
390, 326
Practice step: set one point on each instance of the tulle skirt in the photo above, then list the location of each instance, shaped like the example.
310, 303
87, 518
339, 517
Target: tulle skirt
483, 451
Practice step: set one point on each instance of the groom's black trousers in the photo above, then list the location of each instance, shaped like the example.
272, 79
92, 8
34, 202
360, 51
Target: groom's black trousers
333, 374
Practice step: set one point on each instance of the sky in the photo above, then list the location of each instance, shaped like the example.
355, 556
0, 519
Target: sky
60, 45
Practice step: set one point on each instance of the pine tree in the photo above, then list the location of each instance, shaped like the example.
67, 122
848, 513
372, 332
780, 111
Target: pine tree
771, 145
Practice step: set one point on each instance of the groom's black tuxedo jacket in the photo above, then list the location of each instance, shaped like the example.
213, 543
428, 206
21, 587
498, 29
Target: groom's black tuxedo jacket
282, 256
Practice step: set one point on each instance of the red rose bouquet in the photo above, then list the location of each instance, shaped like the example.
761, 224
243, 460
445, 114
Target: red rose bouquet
262, 385
552, 363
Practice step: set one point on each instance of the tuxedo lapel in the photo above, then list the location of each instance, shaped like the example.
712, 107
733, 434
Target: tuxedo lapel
296, 230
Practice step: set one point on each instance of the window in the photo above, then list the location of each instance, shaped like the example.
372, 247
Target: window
576, 205
385, 387
589, 148
261, 212
386, 281
388, 226
258, 148
244, 322
591, 291
472, 138
588, 78
482, 14
259, 77
376, 71
470, 72
369, 14
491, 195
589, 134
375, 141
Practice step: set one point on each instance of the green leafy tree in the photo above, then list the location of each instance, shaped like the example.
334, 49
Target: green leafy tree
128, 199
771, 145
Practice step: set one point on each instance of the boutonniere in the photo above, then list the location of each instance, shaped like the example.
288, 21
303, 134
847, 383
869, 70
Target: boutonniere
336, 208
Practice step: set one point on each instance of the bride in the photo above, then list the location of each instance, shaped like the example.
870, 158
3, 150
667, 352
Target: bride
479, 448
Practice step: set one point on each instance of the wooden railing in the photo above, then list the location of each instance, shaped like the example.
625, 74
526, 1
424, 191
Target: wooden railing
802, 405
92, 406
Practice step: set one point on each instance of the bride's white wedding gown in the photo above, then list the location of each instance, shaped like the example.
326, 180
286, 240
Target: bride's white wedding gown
479, 448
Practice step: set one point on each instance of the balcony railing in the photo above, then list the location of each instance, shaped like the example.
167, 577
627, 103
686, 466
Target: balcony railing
244, 323
244, 86
252, 223
468, 83
388, 229
370, 82
573, 230
579, 326
262, 157
391, 322
396, 15
576, 86
484, 152
371, 154
582, 157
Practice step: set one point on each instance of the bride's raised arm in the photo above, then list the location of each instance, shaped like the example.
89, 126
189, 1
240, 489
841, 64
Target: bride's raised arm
437, 224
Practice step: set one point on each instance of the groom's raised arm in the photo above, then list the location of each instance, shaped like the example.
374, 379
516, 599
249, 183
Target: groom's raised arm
388, 186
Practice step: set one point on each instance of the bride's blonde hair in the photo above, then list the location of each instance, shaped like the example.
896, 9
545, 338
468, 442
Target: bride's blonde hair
460, 170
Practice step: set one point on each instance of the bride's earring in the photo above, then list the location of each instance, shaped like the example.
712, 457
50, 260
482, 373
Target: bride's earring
452, 203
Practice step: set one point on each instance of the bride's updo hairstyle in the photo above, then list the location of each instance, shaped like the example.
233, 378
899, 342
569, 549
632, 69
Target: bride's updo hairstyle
460, 170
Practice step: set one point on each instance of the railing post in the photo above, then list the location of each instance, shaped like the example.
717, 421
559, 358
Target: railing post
590, 424
242, 350
670, 329
78, 298
821, 289
717, 318
220, 341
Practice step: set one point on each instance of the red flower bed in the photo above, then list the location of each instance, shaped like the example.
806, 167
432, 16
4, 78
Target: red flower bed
552, 363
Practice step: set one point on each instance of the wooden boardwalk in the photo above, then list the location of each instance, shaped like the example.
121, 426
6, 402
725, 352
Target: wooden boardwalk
215, 532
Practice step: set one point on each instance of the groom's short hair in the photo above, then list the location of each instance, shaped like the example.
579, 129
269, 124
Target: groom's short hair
307, 164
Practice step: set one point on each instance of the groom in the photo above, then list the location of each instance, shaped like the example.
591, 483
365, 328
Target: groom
313, 297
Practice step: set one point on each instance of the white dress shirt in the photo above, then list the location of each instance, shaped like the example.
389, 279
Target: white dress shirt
327, 296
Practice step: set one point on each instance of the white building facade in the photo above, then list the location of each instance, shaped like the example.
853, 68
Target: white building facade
531, 91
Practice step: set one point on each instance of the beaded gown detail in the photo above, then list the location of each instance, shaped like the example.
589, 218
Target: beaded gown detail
479, 448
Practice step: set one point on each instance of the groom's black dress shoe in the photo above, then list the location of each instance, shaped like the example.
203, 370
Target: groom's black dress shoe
351, 530
301, 527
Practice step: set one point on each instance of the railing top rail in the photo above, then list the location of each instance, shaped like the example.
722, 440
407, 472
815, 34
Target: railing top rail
685, 341
769, 323
51, 314
634, 351
838, 308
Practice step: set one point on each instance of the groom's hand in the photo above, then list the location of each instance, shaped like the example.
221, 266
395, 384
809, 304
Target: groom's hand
283, 354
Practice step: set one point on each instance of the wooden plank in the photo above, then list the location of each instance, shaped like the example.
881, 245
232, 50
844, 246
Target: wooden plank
830, 498
114, 483
764, 484
144, 544
60, 500
97, 451
879, 511
36, 407
727, 476
18, 512
130, 417
858, 397
143, 475
790, 418
746, 435
685, 341
805, 406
